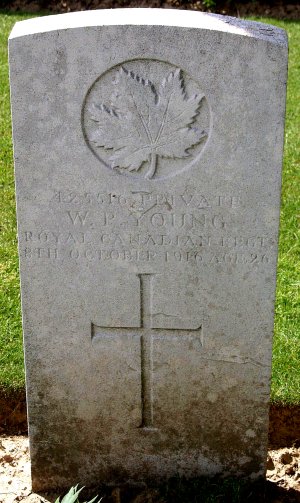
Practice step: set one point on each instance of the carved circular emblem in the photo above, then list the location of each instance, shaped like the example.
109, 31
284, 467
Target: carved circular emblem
146, 118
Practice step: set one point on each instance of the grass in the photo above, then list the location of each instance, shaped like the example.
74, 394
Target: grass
286, 357
286, 348
11, 355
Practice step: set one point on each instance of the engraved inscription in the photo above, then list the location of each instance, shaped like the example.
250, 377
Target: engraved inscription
147, 119
197, 229
147, 331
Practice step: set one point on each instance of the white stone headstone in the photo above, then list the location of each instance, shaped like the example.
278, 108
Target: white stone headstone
148, 151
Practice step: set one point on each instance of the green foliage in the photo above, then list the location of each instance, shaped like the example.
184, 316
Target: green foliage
286, 346
72, 496
209, 4
205, 490
11, 354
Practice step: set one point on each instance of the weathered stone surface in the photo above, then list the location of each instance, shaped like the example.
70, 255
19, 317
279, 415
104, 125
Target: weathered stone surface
148, 149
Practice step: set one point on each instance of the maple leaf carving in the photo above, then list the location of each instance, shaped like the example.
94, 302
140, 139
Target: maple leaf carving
141, 123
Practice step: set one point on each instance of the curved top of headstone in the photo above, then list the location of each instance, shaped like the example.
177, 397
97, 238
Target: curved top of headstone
150, 17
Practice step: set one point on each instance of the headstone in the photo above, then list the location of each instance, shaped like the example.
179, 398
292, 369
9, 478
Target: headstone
148, 151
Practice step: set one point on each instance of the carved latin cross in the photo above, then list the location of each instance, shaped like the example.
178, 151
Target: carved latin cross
147, 334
